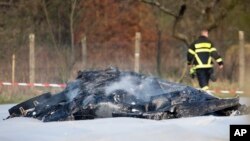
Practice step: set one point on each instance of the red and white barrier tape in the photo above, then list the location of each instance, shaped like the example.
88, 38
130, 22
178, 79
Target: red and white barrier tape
64, 85
226, 91
33, 84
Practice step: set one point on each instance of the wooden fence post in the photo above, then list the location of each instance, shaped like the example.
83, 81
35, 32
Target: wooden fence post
84, 52
137, 51
32, 58
13, 67
241, 59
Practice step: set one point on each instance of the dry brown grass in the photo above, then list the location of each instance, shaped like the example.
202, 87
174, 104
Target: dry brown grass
16, 94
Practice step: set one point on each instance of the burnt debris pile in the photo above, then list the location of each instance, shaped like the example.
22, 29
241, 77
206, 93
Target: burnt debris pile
115, 93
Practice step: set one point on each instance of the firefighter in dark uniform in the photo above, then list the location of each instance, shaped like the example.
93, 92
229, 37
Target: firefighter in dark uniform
199, 58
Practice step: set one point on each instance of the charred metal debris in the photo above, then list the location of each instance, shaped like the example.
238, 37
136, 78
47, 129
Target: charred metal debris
114, 93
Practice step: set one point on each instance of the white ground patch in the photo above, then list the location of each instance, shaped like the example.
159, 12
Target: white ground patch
204, 128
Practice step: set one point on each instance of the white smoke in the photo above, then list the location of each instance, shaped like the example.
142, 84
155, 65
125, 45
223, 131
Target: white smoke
126, 83
143, 89
73, 93
73, 90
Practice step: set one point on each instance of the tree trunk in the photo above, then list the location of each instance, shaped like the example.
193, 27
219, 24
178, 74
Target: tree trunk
73, 5
158, 55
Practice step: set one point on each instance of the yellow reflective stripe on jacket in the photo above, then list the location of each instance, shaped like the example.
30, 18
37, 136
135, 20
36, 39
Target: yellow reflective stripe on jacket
200, 66
191, 51
195, 55
209, 60
205, 88
202, 50
212, 49
199, 48
203, 45
219, 60
198, 59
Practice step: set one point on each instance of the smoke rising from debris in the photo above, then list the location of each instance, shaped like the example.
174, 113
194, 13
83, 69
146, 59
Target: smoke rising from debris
73, 90
141, 88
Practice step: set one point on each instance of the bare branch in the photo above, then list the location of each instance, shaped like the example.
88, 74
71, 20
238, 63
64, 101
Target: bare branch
215, 21
209, 18
182, 10
214, 3
177, 17
6, 4
178, 35
49, 23
162, 8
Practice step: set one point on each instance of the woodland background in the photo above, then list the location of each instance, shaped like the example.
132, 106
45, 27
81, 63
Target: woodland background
167, 28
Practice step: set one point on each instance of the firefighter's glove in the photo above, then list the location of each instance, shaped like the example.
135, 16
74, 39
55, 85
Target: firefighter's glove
192, 72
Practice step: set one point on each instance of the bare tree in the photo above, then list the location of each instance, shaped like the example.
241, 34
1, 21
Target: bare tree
191, 16
71, 20
49, 23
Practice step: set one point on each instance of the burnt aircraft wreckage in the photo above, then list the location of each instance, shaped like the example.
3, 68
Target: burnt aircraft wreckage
115, 93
